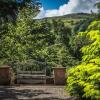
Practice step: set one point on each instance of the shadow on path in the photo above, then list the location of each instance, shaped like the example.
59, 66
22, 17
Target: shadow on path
8, 93
12, 94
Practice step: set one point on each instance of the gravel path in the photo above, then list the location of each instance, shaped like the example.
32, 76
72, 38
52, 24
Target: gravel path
34, 93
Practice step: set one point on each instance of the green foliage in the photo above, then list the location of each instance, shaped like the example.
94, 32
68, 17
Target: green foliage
51, 41
46, 40
98, 6
84, 80
9, 9
76, 42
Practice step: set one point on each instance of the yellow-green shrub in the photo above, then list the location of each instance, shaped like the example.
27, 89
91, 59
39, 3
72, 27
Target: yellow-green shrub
84, 79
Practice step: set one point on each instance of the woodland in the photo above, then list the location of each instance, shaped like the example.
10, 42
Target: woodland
72, 41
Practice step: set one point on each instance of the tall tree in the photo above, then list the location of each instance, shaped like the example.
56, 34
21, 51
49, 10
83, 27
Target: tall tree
98, 6
9, 9
14, 37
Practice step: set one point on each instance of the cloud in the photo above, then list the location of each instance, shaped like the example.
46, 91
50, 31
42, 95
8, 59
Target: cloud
73, 6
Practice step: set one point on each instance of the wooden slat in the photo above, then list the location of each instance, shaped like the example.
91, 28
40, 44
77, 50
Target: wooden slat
31, 77
30, 81
31, 72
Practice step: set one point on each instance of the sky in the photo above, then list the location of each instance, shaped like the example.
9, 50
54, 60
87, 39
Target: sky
52, 4
51, 8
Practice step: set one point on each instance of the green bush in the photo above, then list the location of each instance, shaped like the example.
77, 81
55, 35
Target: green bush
84, 79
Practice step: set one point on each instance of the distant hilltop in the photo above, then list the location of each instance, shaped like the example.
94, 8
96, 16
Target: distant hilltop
72, 16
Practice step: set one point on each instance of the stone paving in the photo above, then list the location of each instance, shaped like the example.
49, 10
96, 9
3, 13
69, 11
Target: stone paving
36, 92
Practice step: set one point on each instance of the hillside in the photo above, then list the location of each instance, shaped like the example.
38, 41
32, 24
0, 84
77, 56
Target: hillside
76, 21
73, 16
33, 39
49, 40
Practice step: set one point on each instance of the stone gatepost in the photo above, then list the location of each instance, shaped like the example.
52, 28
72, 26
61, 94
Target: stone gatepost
5, 75
59, 75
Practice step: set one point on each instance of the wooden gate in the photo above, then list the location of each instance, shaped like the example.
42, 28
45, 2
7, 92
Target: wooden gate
31, 72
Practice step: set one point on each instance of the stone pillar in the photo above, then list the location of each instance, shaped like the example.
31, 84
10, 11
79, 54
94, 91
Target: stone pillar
4, 75
59, 76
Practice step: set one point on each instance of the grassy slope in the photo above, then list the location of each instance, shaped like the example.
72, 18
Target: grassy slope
71, 19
